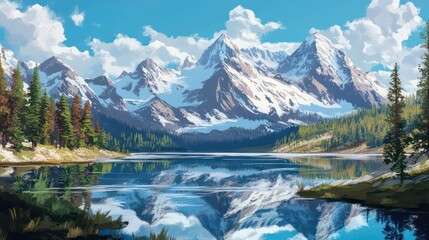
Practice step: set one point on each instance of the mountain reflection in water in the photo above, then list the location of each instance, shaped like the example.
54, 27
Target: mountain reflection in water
221, 196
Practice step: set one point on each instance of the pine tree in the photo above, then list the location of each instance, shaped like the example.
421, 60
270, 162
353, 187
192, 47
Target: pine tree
65, 128
421, 135
87, 125
97, 127
3, 80
16, 103
4, 106
394, 148
51, 120
76, 115
33, 109
98, 133
44, 120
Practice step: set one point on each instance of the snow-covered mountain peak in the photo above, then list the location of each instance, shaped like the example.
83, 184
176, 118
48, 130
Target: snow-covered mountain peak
123, 74
8, 61
318, 38
149, 69
54, 60
222, 48
188, 63
104, 88
101, 81
56, 65
7, 55
148, 63
325, 71
147, 80
58, 78
317, 56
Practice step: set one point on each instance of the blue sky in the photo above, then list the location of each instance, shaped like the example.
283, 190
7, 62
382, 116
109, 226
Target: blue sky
181, 18
111, 32
105, 19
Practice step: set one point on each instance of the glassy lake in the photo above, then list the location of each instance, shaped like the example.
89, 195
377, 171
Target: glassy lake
221, 196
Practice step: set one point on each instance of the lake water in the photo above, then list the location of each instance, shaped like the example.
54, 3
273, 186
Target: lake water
222, 196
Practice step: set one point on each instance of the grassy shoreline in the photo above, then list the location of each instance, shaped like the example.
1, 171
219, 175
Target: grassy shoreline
315, 146
381, 190
50, 155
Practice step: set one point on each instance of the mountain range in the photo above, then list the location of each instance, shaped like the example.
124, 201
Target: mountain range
227, 86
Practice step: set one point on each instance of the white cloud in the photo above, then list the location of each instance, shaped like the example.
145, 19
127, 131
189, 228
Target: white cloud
244, 26
38, 35
77, 17
247, 30
193, 45
379, 38
124, 53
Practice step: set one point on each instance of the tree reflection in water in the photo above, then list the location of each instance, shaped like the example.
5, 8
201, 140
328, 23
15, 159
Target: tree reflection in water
396, 222
77, 183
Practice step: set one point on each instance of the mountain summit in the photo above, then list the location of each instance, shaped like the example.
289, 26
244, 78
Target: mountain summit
222, 48
325, 71
317, 56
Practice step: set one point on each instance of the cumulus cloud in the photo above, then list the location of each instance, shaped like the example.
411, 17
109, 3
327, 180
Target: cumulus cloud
244, 26
193, 45
247, 30
379, 38
77, 17
124, 53
375, 39
38, 34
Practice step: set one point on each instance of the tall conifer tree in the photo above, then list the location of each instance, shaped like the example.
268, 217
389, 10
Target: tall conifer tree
51, 120
65, 128
16, 103
4, 106
421, 135
87, 125
44, 120
33, 109
394, 148
76, 115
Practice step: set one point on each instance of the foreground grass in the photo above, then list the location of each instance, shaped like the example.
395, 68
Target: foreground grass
412, 194
23, 217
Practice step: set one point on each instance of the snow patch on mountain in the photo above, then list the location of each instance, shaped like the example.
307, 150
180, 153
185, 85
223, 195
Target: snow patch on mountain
178, 224
269, 194
264, 58
338, 109
258, 233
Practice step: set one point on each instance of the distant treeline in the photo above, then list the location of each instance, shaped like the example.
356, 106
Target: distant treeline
365, 126
122, 137
233, 139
